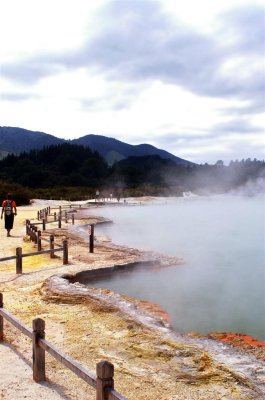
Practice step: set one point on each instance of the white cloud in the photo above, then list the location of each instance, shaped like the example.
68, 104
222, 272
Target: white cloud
174, 74
30, 26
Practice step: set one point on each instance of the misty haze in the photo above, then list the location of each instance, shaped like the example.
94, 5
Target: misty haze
220, 287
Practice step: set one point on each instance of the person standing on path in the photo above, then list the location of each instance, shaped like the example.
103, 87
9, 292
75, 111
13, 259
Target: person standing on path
9, 208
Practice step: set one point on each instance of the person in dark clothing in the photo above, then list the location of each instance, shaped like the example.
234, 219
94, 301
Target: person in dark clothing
9, 208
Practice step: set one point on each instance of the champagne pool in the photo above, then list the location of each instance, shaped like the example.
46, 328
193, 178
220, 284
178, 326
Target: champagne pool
220, 287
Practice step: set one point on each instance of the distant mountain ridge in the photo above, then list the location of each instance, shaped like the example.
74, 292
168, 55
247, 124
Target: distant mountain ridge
17, 140
115, 150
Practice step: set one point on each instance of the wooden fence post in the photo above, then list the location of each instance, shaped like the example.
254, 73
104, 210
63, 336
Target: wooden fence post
19, 260
105, 373
91, 239
43, 224
1, 319
66, 217
35, 229
52, 246
38, 326
54, 216
59, 221
39, 240
73, 219
65, 252
31, 233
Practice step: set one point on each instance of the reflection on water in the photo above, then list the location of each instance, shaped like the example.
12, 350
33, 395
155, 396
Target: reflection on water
221, 286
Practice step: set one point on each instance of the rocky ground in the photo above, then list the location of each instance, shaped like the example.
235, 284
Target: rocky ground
151, 361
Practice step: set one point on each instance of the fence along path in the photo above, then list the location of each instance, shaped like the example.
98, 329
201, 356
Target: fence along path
61, 215
102, 382
35, 236
19, 255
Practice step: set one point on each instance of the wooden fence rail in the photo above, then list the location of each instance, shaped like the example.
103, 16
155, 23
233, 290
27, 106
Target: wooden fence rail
19, 255
31, 226
34, 234
45, 212
103, 381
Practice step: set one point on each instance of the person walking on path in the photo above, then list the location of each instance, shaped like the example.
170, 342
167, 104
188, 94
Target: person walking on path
9, 208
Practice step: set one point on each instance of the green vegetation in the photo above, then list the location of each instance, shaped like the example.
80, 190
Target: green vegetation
74, 172
20, 194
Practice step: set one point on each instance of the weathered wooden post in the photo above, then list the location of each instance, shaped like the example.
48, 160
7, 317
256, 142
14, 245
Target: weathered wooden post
73, 219
30, 231
52, 246
54, 216
27, 227
105, 373
39, 240
91, 239
49, 209
43, 224
35, 229
1, 319
38, 326
38, 215
60, 210
18, 260
66, 217
65, 252
59, 221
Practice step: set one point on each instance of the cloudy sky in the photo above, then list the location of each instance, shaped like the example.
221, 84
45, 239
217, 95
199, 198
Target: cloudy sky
186, 76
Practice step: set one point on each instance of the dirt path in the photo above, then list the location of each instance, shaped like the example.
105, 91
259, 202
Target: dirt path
16, 371
148, 364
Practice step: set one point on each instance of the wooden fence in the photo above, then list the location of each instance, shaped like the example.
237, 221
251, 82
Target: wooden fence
57, 217
103, 381
19, 255
66, 209
36, 237
34, 234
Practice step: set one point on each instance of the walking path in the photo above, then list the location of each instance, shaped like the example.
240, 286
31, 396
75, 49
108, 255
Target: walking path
16, 382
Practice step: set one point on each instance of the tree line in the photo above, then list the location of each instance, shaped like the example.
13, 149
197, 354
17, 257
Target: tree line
71, 171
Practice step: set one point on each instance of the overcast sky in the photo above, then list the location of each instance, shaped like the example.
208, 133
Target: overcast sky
186, 76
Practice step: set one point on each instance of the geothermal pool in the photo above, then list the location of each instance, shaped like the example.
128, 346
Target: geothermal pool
221, 285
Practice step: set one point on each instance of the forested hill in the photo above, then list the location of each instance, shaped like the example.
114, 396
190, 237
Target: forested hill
17, 140
74, 166
115, 150
64, 164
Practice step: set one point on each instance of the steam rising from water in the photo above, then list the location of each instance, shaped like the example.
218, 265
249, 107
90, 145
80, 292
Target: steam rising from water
221, 286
